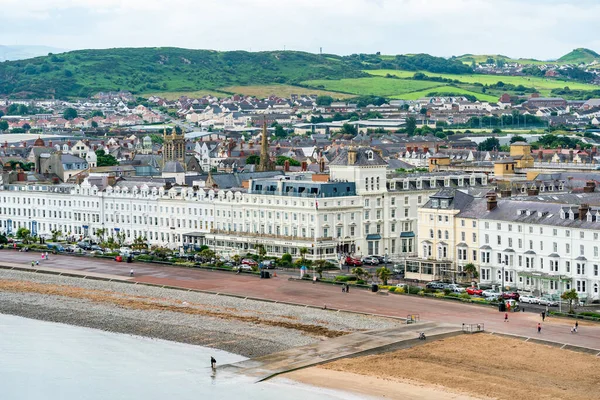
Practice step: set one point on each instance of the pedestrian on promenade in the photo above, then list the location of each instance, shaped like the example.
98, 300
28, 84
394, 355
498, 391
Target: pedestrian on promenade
347, 288
43, 255
47, 258
576, 326
343, 288
213, 362
543, 316
505, 317
131, 272
539, 328
33, 263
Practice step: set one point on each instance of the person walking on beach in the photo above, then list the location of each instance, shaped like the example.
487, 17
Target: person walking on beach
539, 328
213, 363
505, 317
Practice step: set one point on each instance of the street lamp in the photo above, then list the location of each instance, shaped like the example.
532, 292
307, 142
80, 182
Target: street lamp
502, 287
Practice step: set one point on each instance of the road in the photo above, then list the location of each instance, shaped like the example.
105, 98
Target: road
282, 289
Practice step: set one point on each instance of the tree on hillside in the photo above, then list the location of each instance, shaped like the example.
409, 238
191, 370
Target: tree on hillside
411, 125
324, 100
280, 160
279, 131
571, 296
349, 129
489, 144
26, 126
517, 138
3, 125
105, 160
70, 113
94, 124
97, 113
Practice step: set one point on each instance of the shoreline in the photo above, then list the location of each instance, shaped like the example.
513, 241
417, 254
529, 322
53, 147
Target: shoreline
245, 327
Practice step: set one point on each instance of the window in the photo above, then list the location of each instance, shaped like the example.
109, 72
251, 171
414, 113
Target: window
439, 234
541, 231
487, 225
531, 229
581, 250
393, 213
499, 258
520, 243
554, 232
567, 233
462, 222
509, 242
519, 228
406, 212
581, 235
406, 200
581, 286
446, 218
531, 245
541, 245
568, 248
499, 240
463, 236
474, 237
419, 199
595, 251
439, 218
499, 226
595, 269
366, 215
580, 269
446, 236
366, 229
567, 266
393, 201
554, 247
487, 238
474, 255
366, 202
393, 227
431, 233
510, 227
520, 261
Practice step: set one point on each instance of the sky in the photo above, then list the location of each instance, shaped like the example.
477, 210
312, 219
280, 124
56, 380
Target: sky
542, 29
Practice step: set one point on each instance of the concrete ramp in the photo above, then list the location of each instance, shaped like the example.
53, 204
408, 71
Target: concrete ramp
352, 345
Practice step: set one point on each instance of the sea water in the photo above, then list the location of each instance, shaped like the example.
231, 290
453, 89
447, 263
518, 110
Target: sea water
46, 360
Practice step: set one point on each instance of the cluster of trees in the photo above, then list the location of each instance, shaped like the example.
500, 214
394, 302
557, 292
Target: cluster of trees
553, 141
105, 160
416, 62
576, 94
515, 119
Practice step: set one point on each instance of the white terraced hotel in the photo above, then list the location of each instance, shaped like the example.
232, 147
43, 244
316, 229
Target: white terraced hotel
356, 209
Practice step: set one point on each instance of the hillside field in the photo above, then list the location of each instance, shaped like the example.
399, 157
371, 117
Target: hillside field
280, 91
527, 81
377, 86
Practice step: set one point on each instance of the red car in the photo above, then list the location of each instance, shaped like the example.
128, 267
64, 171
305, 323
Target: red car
250, 262
511, 295
474, 291
353, 262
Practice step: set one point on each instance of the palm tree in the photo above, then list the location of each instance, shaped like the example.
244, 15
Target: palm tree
359, 272
139, 243
55, 235
100, 233
570, 296
471, 270
319, 267
303, 251
383, 273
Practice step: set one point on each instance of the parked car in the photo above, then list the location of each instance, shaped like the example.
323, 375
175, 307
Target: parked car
353, 262
125, 250
245, 267
84, 245
511, 295
398, 269
473, 291
435, 285
381, 259
370, 260
529, 299
55, 247
95, 247
490, 294
268, 264
250, 262
547, 301
455, 288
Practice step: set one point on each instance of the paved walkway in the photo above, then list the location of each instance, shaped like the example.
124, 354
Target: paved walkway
280, 289
263, 368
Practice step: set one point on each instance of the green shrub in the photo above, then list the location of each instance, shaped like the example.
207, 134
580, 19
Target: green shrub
590, 314
447, 292
465, 296
343, 278
439, 294
421, 293
414, 290
392, 289
185, 263
360, 282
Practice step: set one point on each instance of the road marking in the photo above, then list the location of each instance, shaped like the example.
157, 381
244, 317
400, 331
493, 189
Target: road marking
526, 340
563, 346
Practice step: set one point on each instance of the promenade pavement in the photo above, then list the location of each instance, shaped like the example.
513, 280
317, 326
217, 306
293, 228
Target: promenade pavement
281, 289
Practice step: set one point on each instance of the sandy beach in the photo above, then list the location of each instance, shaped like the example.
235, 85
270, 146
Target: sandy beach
465, 367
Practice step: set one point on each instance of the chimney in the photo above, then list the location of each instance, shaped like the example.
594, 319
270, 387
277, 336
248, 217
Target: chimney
437, 148
541, 155
594, 150
409, 149
351, 156
50, 143
583, 210
286, 166
21, 177
322, 166
492, 201
533, 192
590, 187
425, 149
505, 193
577, 147
304, 166
571, 155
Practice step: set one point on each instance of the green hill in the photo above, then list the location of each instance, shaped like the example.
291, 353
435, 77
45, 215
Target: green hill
155, 70
579, 56
142, 70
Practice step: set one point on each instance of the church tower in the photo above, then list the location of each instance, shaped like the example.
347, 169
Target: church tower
265, 161
173, 147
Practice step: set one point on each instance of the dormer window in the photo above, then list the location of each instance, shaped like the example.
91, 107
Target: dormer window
369, 154
434, 203
444, 203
